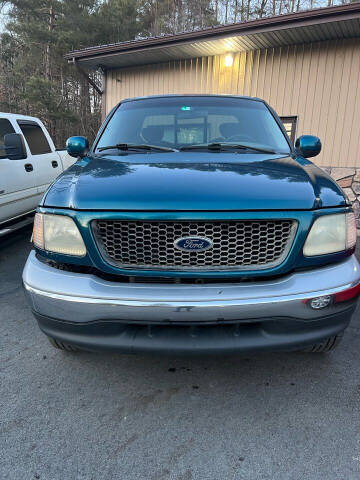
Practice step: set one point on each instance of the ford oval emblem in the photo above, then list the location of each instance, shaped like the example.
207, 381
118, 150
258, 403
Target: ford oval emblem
193, 244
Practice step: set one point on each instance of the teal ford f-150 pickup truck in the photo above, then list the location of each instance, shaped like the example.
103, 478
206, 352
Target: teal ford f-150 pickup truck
193, 225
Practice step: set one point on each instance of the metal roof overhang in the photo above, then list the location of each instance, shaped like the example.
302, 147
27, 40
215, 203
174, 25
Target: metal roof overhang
304, 27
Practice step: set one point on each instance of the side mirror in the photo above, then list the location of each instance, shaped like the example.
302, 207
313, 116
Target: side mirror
308, 146
77, 146
14, 146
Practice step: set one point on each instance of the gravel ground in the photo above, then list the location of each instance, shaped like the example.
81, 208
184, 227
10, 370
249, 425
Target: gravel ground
95, 416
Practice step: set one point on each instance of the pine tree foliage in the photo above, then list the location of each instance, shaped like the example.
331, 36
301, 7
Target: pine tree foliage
36, 80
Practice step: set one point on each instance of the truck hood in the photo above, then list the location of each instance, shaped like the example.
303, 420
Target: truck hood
194, 181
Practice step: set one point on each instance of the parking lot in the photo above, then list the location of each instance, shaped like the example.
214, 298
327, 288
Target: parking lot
94, 416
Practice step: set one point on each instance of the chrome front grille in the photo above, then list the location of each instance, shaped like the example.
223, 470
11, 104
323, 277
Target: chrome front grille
237, 244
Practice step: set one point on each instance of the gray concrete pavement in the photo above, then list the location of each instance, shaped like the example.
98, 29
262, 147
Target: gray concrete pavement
90, 416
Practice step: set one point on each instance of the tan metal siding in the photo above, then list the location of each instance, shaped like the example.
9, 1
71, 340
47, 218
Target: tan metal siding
318, 82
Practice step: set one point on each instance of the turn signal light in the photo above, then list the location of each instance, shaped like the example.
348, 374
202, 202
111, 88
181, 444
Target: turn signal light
38, 231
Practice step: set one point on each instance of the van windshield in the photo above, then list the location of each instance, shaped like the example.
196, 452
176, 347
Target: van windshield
180, 122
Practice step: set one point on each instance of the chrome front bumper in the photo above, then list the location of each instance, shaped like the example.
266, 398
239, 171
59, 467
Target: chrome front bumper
84, 298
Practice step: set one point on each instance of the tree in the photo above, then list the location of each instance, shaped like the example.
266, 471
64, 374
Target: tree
157, 17
38, 34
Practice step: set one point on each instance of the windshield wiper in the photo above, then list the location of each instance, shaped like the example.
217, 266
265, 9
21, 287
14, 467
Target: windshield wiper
132, 146
223, 146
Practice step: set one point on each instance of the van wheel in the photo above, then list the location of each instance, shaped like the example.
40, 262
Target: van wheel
326, 345
62, 346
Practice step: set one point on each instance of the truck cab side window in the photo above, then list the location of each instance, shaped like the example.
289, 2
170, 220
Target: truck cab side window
5, 128
35, 137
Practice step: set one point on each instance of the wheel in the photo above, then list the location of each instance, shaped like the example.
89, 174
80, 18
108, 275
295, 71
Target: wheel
327, 345
62, 346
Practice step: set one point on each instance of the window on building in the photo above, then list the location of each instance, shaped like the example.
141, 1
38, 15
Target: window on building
5, 128
35, 137
290, 124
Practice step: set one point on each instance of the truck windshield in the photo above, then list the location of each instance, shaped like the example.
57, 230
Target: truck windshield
178, 122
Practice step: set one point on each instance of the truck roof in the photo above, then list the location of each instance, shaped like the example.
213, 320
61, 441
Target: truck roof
16, 116
171, 95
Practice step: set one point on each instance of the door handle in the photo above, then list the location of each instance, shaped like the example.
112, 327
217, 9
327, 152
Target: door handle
28, 167
54, 163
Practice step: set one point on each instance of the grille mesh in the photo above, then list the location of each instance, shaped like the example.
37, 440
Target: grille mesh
237, 245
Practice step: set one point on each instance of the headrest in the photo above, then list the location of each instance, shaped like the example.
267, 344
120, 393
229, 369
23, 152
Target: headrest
229, 129
153, 133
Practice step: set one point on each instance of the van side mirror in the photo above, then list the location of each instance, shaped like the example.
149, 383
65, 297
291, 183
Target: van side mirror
308, 146
14, 146
77, 146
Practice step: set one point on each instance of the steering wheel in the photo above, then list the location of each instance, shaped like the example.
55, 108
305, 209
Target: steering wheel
239, 137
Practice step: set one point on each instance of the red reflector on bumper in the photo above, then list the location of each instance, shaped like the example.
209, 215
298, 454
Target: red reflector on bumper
348, 294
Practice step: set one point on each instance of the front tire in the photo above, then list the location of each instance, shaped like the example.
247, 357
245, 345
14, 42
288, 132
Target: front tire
327, 345
62, 346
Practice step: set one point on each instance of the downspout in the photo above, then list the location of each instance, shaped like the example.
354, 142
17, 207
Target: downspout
101, 91
103, 94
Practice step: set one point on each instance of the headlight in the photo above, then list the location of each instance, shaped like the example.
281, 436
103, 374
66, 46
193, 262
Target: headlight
59, 234
331, 233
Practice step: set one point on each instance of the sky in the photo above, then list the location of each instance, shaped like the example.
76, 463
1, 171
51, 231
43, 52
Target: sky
3, 11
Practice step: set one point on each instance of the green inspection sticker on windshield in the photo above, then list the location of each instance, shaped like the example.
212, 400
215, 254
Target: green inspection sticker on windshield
184, 108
